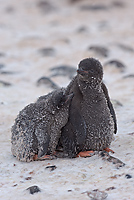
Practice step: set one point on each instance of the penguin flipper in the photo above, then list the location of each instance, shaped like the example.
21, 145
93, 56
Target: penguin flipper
74, 134
67, 140
79, 128
110, 106
42, 138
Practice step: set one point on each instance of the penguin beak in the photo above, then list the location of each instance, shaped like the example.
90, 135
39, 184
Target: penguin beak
81, 71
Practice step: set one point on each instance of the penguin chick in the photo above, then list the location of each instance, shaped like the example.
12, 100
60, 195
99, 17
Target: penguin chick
37, 128
92, 119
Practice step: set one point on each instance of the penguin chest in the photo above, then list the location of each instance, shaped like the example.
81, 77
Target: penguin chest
99, 124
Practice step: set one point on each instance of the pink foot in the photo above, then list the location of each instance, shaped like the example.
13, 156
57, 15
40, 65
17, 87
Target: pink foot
42, 158
108, 150
85, 154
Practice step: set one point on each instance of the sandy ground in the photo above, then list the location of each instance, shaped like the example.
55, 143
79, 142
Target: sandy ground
69, 28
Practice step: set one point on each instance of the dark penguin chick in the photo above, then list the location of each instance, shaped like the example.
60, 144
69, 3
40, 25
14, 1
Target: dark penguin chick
92, 119
37, 128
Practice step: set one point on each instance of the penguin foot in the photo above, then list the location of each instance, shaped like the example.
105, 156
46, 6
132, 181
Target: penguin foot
46, 157
85, 154
108, 150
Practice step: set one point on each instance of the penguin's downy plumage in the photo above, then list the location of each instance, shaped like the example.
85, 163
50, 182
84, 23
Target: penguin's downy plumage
92, 119
37, 128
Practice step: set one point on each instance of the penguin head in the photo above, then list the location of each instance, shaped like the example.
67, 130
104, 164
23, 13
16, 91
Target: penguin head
65, 100
61, 100
90, 70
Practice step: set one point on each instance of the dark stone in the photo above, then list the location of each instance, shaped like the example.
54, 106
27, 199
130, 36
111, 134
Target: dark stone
47, 51
7, 72
105, 155
99, 7
117, 64
3, 83
82, 29
129, 76
116, 162
102, 51
131, 133
125, 47
34, 189
63, 70
118, 4
45, 6
128, 176
74, 1
47, 82
52, 167
10, 9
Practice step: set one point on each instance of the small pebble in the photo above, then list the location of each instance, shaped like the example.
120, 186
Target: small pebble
34, 189
15, 185
100, 50
128, 176
47, 51
28, 178
111, 188
69, 190
52, 167
47, 82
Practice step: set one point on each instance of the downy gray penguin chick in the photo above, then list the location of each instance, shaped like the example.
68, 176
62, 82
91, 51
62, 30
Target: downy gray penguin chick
37, 128
92, 120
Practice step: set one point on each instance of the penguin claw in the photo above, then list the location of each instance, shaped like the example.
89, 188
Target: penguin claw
108, 150
85, 154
